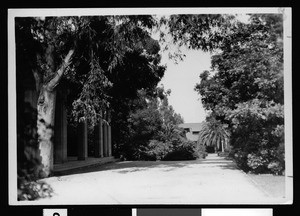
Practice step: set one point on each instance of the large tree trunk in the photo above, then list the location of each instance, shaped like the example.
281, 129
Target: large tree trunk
45, 125
46, 116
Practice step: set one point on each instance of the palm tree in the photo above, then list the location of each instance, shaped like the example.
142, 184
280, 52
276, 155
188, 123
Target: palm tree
215, 134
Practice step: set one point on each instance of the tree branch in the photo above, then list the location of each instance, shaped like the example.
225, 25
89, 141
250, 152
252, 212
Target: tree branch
59, 73
37, 78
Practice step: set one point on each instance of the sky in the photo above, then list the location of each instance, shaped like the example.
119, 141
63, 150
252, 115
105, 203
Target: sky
181, 78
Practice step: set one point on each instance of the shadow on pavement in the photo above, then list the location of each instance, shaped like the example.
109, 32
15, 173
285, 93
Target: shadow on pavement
166, 166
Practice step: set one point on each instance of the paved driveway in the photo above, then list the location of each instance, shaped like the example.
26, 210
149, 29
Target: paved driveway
214, 180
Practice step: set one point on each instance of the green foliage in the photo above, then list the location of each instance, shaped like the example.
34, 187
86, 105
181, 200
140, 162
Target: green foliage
101, 44
182, 153
114, 57
152, 132
199, 31
263, 161
144, 126
248, 66
32, 190
214, 133
245, 90
177, 149
186, 150
157, 150
170, 120
257, 126
257, 162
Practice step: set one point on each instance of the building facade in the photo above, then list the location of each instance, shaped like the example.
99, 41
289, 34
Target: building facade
192, 130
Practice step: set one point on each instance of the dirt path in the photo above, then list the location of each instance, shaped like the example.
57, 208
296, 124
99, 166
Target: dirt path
214, 180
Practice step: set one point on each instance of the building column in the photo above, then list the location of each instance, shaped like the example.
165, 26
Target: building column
82, 140
105, 138
109, 135
60, 131
98, 131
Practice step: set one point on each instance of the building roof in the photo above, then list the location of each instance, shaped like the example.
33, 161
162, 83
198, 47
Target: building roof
191, 126
193, 132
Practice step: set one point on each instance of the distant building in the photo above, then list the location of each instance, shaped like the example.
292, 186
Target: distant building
192, 130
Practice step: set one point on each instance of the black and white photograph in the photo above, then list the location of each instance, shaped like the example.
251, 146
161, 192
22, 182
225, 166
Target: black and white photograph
150, 106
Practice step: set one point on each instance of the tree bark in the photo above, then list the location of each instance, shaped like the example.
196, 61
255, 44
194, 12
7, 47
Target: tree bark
46, 116
45, 125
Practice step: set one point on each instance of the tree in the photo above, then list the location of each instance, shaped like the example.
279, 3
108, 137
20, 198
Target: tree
245, 89
146, 121
82, 51
134, 82
145, 124
214, 134
151, 124
247, 93
170, 118
249, 66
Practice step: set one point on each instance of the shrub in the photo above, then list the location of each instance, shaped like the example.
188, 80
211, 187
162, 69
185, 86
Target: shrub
177, 149
185, 150
277, 160
276, 167
263, 161
32, 190
257, 162
240, 158
156, 150
181, 153
257, 136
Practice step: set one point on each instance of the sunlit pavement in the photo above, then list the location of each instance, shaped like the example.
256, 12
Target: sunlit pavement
214, 180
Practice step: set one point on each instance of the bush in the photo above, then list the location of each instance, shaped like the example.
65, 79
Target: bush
277, 160
32, 190
257, 162
177, 149
276, 167
183, 152
263, 161
157, 150
257, 136
186, 150
240, 158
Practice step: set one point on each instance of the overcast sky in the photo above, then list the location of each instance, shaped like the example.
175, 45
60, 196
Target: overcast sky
181, 78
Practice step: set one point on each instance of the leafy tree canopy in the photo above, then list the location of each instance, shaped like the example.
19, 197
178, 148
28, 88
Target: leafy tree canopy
244, 89
103, 46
